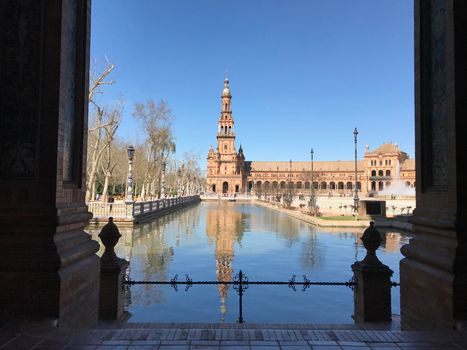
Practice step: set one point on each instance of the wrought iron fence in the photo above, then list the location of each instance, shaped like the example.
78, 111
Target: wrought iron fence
241, 283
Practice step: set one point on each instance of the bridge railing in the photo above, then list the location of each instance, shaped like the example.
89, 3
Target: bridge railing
132, 210
104, 209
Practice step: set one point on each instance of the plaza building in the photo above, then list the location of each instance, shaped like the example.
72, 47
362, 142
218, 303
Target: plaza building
384, 170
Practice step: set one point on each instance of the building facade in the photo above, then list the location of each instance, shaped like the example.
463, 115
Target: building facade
384, 170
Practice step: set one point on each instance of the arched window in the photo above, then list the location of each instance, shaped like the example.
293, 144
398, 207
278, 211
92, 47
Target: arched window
380, 173
332, 185
373, 185
380, 186
388, 172
290, 185
389, 161
323, 185
359, 186
315, 185
388, 184
258, 184
226, 106
299, 185
349, 185
373, 173
340, 185
274, 184
307, 185
386, 162
282, 184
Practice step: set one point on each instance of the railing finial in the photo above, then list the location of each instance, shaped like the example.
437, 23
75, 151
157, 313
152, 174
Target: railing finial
109, 236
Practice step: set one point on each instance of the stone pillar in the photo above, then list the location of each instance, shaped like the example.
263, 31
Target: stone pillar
372, 293
49, 268
434, 271
112, 295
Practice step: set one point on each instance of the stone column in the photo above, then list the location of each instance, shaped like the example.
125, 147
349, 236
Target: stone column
112, 295
49, 268
372, 293
434, 271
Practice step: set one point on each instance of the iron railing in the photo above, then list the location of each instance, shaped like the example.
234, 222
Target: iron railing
241, 283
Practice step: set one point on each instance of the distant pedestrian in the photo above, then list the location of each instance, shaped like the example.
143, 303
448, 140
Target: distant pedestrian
111, 200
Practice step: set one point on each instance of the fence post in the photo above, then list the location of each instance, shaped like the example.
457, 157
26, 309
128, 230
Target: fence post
111, 294
372, 293
129, 209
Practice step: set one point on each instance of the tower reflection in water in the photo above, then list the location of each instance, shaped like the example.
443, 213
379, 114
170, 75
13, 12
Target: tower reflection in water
224, 228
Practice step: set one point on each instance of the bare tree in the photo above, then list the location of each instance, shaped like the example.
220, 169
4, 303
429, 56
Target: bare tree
155, 120
109, 164
102, 129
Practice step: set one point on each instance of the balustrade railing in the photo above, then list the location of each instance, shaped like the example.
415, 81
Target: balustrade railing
104, 209
135, 209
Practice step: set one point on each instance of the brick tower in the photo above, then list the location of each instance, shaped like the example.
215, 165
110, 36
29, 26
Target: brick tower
225, 165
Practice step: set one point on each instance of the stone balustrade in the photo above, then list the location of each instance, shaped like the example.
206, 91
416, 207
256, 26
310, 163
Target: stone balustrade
136, 211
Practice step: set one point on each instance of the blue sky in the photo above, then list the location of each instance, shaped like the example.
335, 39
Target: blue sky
303, 73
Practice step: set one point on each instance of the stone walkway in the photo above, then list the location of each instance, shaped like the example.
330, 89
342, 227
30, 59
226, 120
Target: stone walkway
226, 337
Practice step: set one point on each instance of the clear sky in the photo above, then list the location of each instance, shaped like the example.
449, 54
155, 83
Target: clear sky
303, 73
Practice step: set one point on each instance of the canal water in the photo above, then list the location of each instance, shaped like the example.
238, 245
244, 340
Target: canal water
213, 241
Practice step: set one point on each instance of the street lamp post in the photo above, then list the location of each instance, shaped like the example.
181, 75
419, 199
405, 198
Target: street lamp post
163, 179
290, 177
277, 186
129, 182
179, 188
312, 187
355, 198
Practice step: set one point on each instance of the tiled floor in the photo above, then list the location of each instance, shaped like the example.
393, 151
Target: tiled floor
225, 337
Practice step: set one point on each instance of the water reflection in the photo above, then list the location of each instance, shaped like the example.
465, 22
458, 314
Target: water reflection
214, 240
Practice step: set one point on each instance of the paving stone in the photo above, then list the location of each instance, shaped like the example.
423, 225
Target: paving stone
381, 345
112, 347
264, 343
234, 342
145, 342
175, 342
52, 345
23, 342
174, 347
204, 347
116, 342
322, 342
293, 342
295, 347
351, 343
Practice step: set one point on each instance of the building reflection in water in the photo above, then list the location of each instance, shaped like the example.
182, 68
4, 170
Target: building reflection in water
224, 227
226, 224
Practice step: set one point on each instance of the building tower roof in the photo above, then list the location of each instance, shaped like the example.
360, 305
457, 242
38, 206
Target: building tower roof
226, 91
